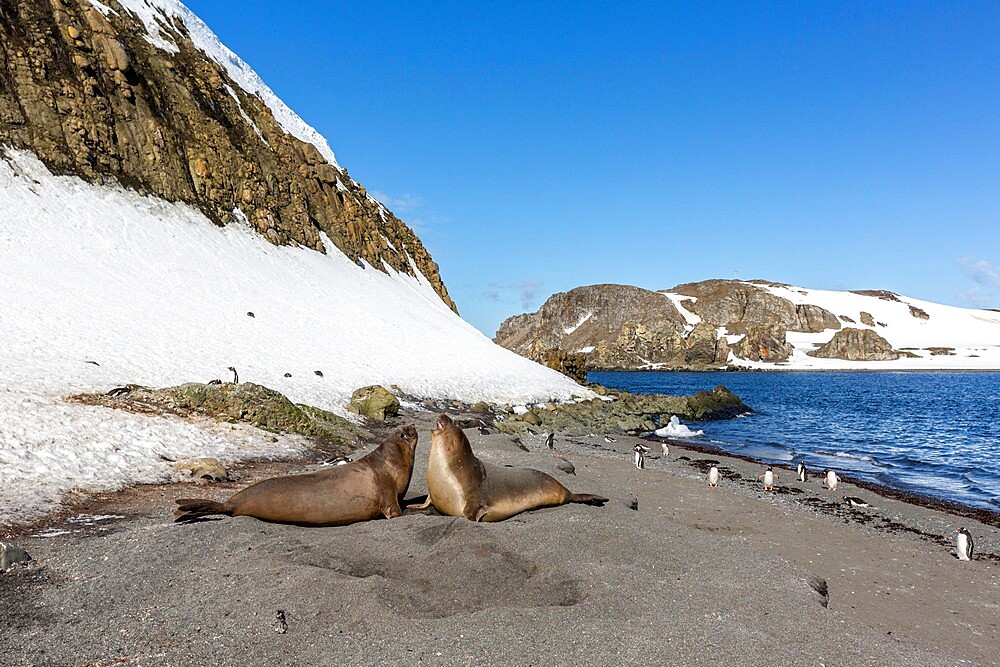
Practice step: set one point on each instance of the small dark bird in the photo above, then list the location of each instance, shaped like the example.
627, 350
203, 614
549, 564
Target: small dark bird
250, 314
550, 440
319, 373
854, 501
565, 466
288, 375
236, 376
92, 362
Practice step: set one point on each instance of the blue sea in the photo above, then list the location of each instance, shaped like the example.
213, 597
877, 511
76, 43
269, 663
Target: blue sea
933, 433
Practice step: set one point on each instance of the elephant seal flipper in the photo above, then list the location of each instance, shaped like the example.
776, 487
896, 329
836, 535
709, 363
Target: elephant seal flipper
459, 484
368, 488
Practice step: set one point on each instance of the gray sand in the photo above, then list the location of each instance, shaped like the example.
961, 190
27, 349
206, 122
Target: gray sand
695, 576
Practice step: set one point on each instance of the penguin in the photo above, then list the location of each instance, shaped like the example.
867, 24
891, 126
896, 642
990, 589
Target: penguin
713, 476
640, 457
236, 376
532, 431
608, 438
666, 449
319, 373
338, 461
250, 314
964, 544
215, 381
483, 430
831, 480
801, 471
288, 375
119, 391
550, 440
768, 476
854, 501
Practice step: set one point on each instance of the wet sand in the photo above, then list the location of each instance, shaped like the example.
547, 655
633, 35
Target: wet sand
694, 576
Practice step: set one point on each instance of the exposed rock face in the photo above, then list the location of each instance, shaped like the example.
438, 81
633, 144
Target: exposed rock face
764, 343
90, 95
738, 306
856, 345
618, 326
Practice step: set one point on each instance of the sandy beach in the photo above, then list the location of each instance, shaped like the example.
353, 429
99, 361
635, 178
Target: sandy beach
694, 576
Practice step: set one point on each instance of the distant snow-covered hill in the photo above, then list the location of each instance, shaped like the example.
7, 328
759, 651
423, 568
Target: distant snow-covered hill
755, 324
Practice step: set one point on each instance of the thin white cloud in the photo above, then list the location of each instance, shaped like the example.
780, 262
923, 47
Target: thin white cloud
523, 292
975, 296
402, 204
981, 271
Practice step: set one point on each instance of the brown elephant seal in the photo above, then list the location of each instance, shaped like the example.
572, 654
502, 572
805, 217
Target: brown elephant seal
368, 488
459, 484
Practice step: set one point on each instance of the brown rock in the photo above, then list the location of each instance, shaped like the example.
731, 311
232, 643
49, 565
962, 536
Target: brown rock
856, 345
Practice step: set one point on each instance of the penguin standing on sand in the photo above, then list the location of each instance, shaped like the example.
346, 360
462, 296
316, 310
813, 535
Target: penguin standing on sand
801, 471
964, 544
640, 456
854, 501
609, 439
550, 440
713, 476
666, 449
768, 476
832, 480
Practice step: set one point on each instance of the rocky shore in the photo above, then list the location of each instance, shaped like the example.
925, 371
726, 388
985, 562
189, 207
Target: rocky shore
670, 571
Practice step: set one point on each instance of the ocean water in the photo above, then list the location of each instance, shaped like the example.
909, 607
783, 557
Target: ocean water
934, 433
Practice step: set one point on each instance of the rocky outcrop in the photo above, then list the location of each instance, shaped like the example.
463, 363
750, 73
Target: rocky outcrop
619, 326
738, 306
375, 402
622, 412
246, 402
616, 326
91, 94
764, 343
856, 345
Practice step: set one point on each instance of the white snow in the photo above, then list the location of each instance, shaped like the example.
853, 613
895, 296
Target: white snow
691, 318
974, 333
157, 295
586, 350
583, 318
675, 429
154, 12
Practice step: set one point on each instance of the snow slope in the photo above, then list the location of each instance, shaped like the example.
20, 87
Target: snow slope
157, 295
974, 334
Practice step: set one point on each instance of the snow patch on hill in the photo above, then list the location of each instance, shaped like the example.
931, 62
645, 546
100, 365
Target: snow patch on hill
100, 287
973, 335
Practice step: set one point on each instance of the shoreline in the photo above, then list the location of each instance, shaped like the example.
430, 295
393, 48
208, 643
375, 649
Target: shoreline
868, 587
984, 515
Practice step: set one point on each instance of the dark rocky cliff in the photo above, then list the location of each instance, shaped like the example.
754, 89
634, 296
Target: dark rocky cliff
90, 95
624, 327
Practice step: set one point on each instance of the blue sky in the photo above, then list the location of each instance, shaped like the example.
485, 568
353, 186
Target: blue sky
536, 147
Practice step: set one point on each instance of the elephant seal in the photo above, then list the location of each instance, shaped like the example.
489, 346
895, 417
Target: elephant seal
459, 484
368, 488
